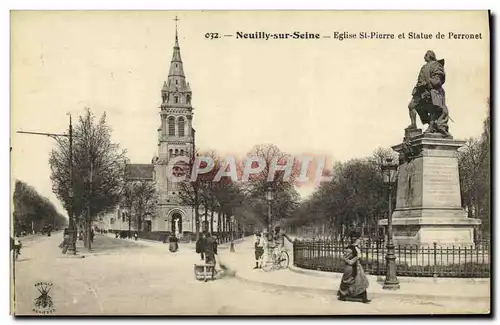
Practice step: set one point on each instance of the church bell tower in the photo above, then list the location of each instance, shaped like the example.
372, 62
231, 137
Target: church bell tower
175, 136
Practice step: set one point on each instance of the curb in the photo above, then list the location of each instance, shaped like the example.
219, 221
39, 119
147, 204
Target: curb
419, 280
333, 292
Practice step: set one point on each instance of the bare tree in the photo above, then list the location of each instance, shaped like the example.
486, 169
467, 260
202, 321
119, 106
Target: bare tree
282, 184
140, 198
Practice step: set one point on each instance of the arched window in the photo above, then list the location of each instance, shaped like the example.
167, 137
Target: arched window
182, 152
176, 99
181, 126
171, 125
188, 99
170, 153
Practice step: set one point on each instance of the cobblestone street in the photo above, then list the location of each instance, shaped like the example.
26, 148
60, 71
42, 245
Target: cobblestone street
132, 278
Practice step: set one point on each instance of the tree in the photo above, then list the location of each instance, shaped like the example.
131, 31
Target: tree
355, 196
33, 211
475, 176
189, 190
285, 196
98, 166
140, 198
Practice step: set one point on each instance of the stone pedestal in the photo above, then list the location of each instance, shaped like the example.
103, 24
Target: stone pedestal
428, 205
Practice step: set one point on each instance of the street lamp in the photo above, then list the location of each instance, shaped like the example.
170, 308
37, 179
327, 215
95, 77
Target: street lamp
389, 170
269, 198
71, 227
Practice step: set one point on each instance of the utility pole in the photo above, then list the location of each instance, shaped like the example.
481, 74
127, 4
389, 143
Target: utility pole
71, 227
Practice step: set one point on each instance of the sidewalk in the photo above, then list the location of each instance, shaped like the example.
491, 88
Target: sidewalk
242, 262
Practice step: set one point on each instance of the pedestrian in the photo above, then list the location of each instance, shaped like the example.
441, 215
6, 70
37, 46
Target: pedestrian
135, 236
174, 245
259, 250
199, 246
91, 235
354, 281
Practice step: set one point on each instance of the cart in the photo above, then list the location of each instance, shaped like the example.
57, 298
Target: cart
204, 271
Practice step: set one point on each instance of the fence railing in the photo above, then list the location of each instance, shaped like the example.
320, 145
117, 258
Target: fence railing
436, 261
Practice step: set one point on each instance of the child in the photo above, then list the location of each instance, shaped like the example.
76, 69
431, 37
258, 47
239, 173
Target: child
259, 249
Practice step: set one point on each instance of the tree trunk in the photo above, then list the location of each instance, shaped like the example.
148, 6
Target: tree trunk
212, 221
129, 224
139, 221
89, 227
197, 222
206, 212
219, 226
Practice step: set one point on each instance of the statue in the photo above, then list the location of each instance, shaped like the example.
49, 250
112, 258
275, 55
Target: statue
429, 98
177, 230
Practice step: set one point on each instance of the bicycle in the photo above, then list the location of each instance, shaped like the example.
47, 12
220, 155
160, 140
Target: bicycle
277, 261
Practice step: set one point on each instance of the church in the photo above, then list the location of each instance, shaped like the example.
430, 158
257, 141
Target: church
176, 136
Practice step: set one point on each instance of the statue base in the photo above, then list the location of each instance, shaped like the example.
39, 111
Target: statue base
428, 205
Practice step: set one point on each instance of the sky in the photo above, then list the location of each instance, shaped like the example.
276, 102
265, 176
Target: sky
321, 96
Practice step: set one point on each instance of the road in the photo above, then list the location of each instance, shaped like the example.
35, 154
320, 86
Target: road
128, 278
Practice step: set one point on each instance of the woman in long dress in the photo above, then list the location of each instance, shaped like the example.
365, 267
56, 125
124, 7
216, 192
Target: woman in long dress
354, 281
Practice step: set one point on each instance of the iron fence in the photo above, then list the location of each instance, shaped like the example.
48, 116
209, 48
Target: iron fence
435, 261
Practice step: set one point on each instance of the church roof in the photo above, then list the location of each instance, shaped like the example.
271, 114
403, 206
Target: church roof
139, 171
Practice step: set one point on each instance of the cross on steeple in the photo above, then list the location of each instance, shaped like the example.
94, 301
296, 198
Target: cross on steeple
176, 20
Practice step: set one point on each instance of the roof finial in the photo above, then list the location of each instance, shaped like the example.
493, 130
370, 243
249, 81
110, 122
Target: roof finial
176, 20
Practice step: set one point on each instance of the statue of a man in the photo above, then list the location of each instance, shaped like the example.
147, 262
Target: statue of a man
177, 230
428, 98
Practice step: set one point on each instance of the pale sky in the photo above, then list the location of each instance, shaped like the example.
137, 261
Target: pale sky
325, 97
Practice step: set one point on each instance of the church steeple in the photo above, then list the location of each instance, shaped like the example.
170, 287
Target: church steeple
175, 133
176, 91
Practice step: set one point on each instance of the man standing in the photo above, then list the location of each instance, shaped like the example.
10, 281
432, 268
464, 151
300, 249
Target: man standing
199, 246
209, 248
279, 239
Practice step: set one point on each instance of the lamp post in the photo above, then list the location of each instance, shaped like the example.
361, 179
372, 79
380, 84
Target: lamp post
269, 198
389, 170
71, 226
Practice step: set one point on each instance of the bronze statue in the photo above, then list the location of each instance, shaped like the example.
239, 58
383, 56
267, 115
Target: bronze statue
428, 97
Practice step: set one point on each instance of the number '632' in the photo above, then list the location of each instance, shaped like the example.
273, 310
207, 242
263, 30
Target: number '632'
211, 35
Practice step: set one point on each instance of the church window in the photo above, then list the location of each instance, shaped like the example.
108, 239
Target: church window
176, 82
181, 126
171, 125
176, 65
176, 152
170, 153
176, 99
188, 99
182, 152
